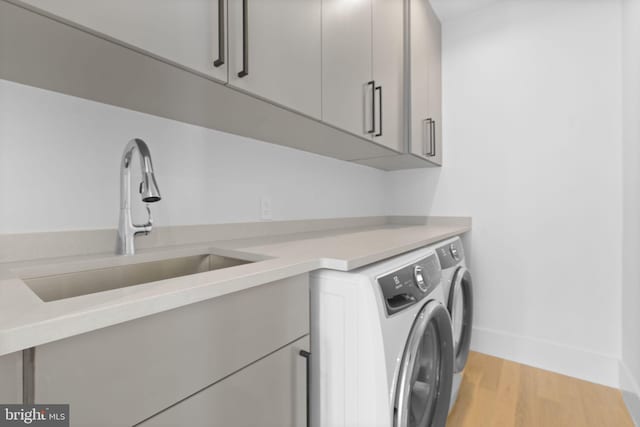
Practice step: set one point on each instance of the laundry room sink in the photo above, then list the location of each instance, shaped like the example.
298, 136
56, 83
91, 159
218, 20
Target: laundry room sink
72, 284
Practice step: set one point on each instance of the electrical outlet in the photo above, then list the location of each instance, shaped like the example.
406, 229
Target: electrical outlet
265, 208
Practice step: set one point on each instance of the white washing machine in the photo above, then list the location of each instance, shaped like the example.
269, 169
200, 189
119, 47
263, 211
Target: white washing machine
382, 345
458, 290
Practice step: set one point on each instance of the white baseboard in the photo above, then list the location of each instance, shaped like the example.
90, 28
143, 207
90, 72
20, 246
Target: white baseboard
630, 392
566, 360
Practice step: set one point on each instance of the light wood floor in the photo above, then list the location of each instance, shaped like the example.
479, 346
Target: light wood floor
500, 393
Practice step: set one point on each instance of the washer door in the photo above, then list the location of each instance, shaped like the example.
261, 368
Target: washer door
426, 372
461, 310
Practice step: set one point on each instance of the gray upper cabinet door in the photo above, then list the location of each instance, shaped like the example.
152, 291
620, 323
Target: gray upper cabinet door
425, 86
272, 392
275, 51
185, 32
347, 66
435, 83
388, 72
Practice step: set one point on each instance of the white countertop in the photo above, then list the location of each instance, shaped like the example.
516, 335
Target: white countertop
26, 321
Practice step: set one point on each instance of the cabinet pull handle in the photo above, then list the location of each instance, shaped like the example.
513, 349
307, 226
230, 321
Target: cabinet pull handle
307, 355
245, 41
372, 83
221, 31
379, 89
426, 152
433, 138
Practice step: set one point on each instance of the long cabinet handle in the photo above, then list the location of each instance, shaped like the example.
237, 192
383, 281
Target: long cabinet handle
433, 138
379, 89
307, 356
426, 152
372, 83
221, 32
245, 40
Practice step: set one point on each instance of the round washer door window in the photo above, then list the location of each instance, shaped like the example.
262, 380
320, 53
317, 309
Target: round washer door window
426, 372
461, 310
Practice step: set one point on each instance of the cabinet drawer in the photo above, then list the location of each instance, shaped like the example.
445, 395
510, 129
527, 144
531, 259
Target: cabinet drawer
269, 393
123, 374
11, 378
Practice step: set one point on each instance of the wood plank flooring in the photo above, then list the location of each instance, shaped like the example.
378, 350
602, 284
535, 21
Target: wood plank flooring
499, 393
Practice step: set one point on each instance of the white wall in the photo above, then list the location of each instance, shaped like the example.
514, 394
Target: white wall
630, 371
532, 106
60, 160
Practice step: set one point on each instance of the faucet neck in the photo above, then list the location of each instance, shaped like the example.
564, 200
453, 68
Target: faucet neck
146, 167
127, 230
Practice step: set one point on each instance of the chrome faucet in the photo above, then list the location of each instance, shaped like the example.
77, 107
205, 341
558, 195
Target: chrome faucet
149, 192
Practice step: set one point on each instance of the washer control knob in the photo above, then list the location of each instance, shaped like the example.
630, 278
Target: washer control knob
419, 278
454, 252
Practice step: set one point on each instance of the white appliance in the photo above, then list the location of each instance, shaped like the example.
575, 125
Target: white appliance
458, 290
382, 345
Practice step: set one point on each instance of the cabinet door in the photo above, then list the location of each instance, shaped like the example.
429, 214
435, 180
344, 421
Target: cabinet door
145, 365
186, 32
388, 44
275, 51
11, 378
425, 90
272, 392
435, 82
346, 65
419, 92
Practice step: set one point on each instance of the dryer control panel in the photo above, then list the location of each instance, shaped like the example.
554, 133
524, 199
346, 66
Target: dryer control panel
450, 254
406, 286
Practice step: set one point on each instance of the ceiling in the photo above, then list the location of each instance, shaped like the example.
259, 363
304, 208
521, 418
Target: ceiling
447, 9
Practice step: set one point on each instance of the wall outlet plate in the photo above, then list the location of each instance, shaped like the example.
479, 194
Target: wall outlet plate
266, 212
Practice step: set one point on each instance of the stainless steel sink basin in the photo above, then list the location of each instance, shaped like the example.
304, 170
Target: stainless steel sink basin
67, 285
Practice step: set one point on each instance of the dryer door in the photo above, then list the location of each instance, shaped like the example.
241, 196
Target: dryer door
426, 372
461, 310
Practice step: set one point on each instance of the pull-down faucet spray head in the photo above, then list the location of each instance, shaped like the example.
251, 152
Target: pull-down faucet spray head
149, 193
149, 187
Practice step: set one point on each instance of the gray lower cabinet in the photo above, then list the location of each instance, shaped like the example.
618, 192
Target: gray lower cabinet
124, 374
269, 393
11, 378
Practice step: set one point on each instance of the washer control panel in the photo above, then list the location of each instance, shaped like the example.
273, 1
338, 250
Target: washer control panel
406, 286
450, 254
419, 278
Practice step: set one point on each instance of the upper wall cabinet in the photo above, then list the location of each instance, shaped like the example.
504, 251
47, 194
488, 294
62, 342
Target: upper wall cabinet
275, 51
362, 68
426, 82
388, 72
324, 76
435, 83
346, 66
186, 32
